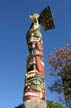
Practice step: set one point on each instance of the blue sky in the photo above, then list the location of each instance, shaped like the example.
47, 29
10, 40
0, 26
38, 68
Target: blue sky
14, 23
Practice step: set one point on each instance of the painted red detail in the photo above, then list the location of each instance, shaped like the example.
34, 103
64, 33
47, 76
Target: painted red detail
39, 65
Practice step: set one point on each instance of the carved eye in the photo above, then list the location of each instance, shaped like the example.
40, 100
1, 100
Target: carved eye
36, 82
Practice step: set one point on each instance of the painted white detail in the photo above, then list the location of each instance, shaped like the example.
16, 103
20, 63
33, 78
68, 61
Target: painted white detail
42, 63
31, 94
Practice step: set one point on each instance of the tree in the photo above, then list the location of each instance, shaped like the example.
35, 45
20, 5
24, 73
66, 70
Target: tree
60, 65
51, 104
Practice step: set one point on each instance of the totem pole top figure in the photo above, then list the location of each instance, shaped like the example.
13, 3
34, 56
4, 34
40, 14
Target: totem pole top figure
44, 19
34, 17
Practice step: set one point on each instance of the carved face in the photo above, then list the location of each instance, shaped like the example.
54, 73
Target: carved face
34, 17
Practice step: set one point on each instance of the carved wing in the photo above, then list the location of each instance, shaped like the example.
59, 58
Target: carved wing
46, 19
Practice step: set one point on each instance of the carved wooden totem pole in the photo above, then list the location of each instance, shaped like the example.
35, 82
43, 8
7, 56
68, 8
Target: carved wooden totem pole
34, 91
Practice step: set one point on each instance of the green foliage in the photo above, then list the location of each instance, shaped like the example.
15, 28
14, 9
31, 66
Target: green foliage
51, 104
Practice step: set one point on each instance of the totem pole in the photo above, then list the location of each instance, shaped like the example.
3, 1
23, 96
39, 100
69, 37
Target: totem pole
34, 91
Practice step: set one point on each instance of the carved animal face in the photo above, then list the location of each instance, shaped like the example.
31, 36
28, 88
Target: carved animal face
34, 17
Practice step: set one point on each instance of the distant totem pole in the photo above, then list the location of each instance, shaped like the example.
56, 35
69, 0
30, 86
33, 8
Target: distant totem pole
34, 91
